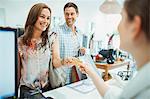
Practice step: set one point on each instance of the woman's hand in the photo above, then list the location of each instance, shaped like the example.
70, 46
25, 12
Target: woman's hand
43, 77
68, 61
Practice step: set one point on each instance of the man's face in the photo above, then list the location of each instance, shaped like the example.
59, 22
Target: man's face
70, 15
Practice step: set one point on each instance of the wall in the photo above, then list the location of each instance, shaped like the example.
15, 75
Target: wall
16, 12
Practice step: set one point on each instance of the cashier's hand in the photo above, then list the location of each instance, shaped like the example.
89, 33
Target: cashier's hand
86, 69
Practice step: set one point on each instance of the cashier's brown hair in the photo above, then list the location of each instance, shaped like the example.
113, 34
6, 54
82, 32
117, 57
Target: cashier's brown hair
139, 8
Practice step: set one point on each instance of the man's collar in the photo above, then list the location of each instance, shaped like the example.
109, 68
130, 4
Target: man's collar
69, 29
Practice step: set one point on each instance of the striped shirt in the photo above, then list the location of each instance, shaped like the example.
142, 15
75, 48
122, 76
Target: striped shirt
69, 44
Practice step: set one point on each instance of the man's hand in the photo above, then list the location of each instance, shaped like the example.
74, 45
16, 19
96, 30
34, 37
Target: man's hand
82, 51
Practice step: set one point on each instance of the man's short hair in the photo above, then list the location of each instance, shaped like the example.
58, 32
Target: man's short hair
71, 4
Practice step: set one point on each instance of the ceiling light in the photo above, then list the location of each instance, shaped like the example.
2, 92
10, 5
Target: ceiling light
110, 7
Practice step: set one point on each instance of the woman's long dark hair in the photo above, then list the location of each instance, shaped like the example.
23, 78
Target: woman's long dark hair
33, 15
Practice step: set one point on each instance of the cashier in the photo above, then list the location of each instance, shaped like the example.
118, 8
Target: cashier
134, 31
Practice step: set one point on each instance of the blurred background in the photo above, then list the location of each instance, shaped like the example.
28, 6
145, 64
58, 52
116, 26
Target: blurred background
91, 20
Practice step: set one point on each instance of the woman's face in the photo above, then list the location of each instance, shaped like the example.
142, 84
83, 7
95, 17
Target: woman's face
43, 20
125, 30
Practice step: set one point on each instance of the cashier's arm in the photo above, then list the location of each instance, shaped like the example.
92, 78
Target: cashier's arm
98, 82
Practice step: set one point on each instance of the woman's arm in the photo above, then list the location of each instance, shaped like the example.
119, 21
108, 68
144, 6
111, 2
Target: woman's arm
98, 82
57, 62
18, 69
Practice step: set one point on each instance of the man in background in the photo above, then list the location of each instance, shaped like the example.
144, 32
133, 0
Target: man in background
70, 41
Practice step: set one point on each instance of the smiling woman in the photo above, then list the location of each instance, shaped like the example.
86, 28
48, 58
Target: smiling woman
33, 51
35, 48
